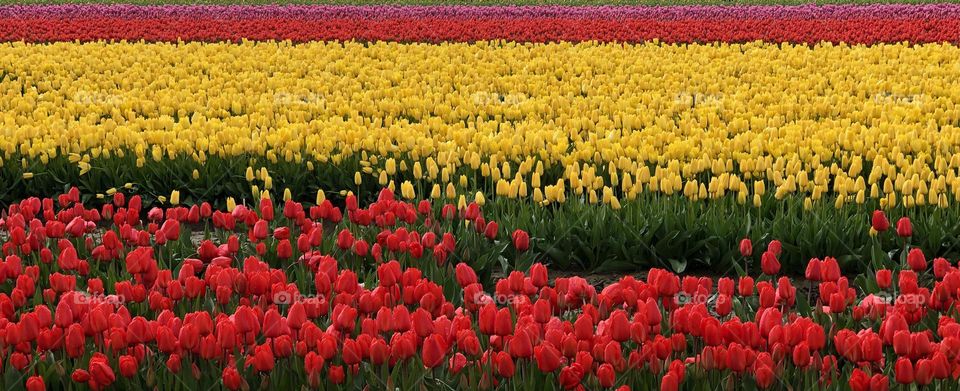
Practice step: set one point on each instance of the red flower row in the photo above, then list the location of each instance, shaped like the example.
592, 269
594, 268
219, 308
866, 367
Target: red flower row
110, 299
852, 31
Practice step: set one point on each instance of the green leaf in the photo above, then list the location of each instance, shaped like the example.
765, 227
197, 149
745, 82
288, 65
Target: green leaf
678, 265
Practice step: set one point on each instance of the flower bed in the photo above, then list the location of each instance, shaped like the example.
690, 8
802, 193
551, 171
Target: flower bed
284, 294
693, 24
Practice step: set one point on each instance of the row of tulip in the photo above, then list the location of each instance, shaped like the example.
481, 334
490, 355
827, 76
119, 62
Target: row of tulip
544, 121
803, 24
528, 29
619, 12
118, 297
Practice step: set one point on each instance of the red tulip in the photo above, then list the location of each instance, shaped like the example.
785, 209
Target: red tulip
746, 247
923, 373
263, 359
490, 230
538, 275
669, 382
35, 383
521, 240
813, 272
465, 275
434, 351
769, 263
801, 355
859, 380
903, 371
504, 364
904, 227
902, 342
173, 363
521, 345
916, 260
351, 352
764, 376
100, 371
128, 366
775, 247
571, 375
607, 376
379, 352
884, 278
504, 323
336, 374
879, 221
879, 382
345, 239
548, 357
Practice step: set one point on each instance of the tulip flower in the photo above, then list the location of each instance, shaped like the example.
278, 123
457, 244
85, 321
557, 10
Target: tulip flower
746, 247
521, 240
903, 370
904, 227
879, 221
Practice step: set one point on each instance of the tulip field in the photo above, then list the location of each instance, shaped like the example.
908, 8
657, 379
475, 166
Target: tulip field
491, 195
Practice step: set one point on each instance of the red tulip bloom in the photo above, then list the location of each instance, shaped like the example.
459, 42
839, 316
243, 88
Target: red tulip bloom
434, 351
745, 286
879, 382
345, 239
465, 275
538, 275
521, 240
669, 382
128, 366
902, 342
903, 371
775, 247
764, 376
859, 381
548, 357
570, 376
35, 383
336, 374
351, 352
503, 325
490, 230
607, 376
379, 352
746, 247
923, 373
879, 221
100, 371
801, 355
769, 263
263, 359
884, 278
916, 260
904, 227
619, 326
173, 363
504, 364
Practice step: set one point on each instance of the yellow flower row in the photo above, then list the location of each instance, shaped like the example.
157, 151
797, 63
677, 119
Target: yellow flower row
702, 120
